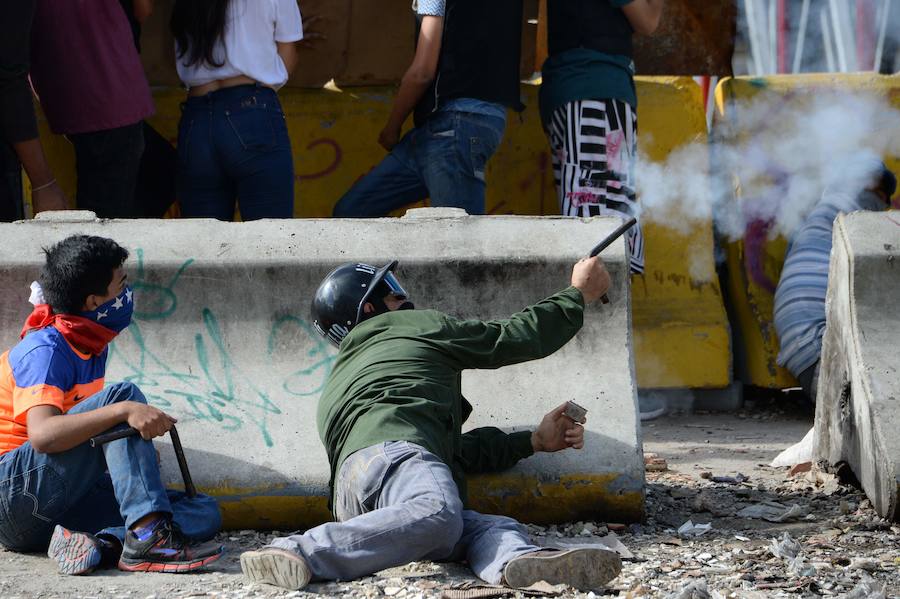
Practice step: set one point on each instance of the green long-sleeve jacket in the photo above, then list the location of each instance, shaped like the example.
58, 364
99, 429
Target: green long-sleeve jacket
397, 378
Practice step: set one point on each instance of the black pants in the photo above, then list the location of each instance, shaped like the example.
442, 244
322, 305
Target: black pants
155, 191
809, 380
107, 164
10, 185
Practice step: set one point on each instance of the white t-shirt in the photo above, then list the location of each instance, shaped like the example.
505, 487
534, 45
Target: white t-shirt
247, 46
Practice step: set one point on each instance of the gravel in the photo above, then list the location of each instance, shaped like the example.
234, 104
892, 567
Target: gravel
833, 544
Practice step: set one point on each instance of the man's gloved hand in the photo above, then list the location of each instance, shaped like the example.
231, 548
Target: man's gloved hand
557, 431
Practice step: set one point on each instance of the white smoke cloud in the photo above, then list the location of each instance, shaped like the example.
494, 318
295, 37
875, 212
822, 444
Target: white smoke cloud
771, 160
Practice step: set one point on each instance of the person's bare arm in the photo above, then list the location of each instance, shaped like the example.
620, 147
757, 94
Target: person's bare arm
644, 15
51, 431
47, 194
416, 80
288, 53
142, 10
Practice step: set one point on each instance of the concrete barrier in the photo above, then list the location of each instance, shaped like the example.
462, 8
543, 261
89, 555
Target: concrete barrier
682, 336
222, 339
858, 409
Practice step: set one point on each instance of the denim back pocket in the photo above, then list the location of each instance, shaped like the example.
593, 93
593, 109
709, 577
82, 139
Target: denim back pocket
483, 142
442, 125
250, 119
359, 482
30, 503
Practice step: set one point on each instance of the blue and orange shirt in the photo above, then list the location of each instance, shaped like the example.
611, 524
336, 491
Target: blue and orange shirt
43, 370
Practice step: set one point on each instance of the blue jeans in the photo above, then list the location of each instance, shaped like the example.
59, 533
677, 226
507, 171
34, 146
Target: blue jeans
397, 503
233, 145
444, 159
73, 488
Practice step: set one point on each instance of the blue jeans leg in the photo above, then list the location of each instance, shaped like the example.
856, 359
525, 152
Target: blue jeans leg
397, 503
454, 149
198, 517
38, 490
488, 542
257, 149
393, 183
202, 186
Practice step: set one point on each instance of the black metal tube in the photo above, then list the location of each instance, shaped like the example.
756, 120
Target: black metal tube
182, 464
112, 436
607, 241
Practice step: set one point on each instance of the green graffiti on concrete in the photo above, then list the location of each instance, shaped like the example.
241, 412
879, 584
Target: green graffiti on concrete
212, 386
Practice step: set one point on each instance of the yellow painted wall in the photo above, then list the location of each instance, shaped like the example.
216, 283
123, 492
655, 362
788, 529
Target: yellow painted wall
752, 303
681, 330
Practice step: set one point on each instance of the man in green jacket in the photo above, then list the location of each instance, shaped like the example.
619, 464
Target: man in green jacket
390, 417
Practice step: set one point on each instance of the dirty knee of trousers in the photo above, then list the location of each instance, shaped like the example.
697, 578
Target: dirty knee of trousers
444, 530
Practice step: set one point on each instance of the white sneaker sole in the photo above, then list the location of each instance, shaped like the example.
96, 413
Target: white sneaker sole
277, 567
584, 568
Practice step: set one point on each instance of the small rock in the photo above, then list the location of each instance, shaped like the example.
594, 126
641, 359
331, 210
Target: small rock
864, 563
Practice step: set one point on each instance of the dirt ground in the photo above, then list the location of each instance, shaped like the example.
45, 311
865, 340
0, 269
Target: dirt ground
835, 546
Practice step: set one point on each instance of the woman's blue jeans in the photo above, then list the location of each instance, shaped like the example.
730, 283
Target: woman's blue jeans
233, 146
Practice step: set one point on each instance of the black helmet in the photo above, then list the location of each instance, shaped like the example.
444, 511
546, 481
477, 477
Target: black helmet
339, 301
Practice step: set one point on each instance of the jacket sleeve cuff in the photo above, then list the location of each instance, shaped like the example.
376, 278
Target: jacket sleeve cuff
520, 442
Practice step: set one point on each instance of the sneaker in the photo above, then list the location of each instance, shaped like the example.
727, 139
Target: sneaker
166, 550
651, 406
76, 552
278, 567
584, 568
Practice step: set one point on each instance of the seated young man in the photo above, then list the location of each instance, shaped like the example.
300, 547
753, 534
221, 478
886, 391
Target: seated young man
391, 417
52, 401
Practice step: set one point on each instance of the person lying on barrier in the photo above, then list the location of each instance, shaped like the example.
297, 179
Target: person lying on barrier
390, 417
800, 295
52, 401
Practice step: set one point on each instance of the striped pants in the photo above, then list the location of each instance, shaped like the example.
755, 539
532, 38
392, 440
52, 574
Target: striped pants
593, 148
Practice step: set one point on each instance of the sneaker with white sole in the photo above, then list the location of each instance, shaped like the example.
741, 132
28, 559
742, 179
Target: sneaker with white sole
278, 567
75, 552
584, 568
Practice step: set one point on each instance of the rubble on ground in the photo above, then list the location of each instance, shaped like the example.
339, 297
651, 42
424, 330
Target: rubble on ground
833, 544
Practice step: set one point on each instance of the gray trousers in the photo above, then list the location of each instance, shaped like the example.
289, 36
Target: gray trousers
398, 503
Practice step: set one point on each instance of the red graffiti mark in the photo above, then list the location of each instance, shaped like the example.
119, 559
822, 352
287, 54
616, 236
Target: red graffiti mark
890, 218
496, 209
336, 161
536, 176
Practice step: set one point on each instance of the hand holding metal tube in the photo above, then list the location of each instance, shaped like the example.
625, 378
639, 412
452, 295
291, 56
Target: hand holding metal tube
607, 242
589, 275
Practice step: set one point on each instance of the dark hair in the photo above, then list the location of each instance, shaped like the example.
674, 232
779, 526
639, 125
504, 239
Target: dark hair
79, 266
197, 25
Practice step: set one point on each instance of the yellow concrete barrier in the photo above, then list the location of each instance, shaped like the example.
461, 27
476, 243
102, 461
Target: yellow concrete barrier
681, 329
754, 263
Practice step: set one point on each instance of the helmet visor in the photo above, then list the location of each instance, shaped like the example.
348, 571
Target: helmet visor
394, 287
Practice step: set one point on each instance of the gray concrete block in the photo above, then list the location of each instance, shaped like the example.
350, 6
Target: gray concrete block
222, 339
858, 410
